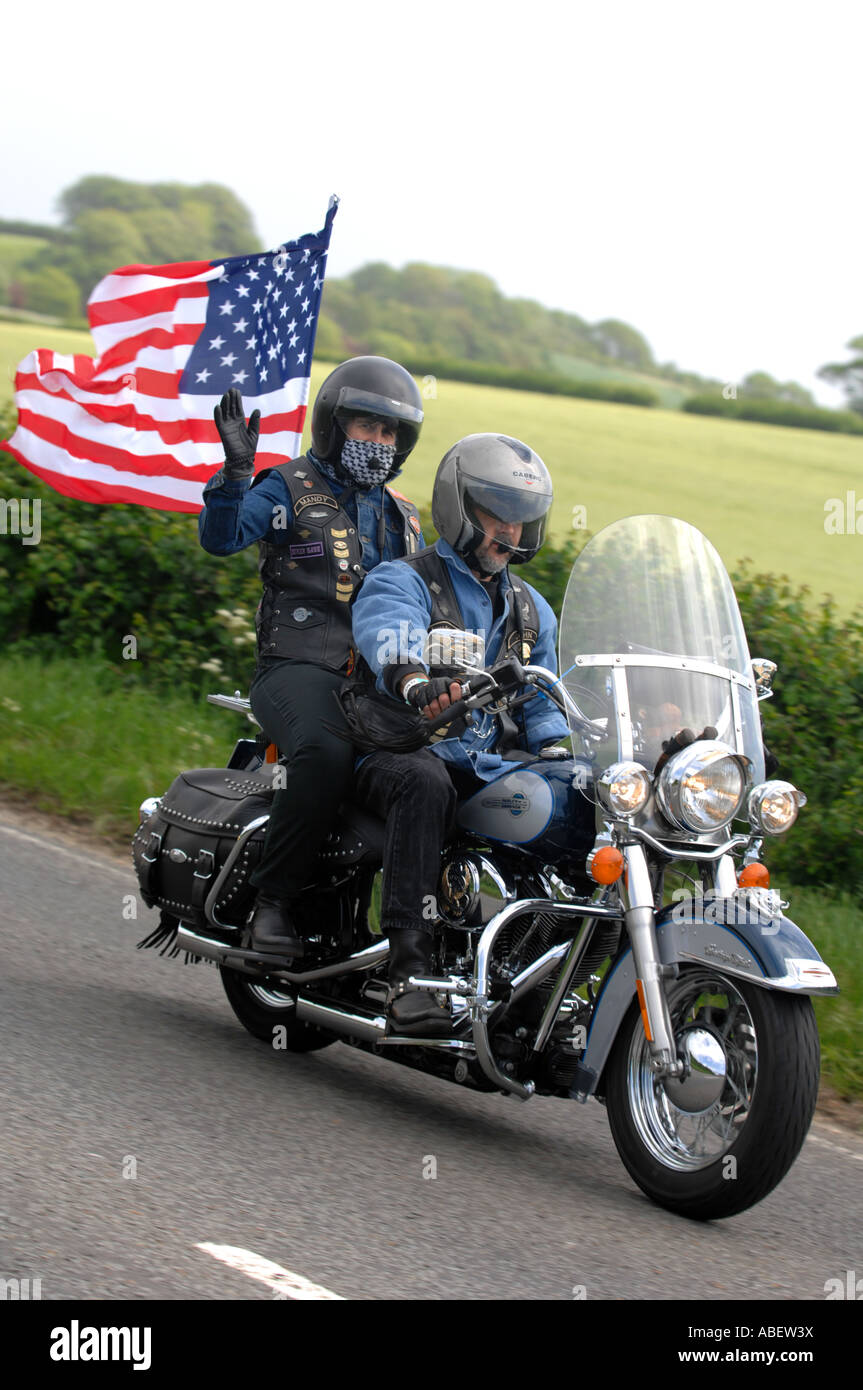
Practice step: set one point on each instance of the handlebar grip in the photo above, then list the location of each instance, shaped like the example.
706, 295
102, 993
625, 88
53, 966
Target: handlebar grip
454, 712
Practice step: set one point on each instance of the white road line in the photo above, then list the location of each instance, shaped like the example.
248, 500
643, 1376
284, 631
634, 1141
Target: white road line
101, 864
257, 1267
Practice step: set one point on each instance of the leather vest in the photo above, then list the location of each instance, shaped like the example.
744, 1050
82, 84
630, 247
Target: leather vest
309, 582
521, 630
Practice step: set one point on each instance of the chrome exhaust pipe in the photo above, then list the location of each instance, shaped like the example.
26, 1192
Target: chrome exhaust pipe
221, 952
368, 1027
205, 946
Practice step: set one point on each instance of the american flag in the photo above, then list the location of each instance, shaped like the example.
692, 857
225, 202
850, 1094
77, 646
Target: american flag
135, 424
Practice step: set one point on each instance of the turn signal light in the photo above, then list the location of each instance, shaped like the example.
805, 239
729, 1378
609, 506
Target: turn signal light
754, 876
272, 754
605, 865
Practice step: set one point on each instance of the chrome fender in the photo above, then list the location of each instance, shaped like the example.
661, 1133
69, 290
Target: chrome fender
770, 951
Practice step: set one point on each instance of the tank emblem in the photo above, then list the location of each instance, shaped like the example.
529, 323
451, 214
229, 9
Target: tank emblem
516, 804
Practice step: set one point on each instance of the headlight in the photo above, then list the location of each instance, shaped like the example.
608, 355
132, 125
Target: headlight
624, 788
773, 806
702, 787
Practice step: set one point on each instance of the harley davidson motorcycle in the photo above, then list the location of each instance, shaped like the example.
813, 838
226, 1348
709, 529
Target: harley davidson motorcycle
601, 928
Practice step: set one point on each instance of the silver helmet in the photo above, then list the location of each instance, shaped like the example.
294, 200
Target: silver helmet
500, 475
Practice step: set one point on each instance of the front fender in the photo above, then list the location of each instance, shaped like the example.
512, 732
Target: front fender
738, 940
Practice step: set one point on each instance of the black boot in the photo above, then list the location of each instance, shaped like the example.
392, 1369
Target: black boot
414, 1011
273, 928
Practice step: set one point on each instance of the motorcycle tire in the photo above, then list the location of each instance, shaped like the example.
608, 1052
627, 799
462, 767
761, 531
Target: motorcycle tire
718, 1160
262, 1009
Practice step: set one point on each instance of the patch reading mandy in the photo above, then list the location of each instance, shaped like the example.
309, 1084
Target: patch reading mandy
315, 499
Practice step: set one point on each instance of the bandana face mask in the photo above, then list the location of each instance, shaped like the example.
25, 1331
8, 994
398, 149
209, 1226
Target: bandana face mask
368, 463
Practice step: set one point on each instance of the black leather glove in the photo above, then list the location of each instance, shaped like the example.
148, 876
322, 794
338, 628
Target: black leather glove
680, 740
421, 695
239, 439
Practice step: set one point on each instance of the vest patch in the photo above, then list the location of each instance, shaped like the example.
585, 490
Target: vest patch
305, 552
527, 644
314, 499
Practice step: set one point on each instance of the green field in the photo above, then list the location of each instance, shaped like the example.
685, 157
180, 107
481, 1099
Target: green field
15, 249
755, 490
582, 369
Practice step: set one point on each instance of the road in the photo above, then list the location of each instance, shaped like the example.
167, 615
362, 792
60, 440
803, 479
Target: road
141, 1122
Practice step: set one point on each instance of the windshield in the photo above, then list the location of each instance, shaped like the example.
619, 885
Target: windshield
651, 641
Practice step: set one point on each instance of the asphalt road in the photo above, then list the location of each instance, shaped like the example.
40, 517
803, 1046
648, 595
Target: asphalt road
140, 1121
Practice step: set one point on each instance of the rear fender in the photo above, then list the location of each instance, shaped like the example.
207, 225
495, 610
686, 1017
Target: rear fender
771, 952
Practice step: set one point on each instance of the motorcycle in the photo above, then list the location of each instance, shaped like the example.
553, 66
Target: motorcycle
572, 965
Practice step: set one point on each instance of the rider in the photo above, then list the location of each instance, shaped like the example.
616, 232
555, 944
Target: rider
323, 521
490, 505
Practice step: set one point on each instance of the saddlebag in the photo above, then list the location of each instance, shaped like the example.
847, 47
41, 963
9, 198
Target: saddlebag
181, 848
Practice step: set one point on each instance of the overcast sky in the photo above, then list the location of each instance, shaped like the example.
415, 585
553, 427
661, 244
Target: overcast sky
693, 169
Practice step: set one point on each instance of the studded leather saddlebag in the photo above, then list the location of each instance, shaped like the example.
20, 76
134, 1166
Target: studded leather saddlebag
181, 849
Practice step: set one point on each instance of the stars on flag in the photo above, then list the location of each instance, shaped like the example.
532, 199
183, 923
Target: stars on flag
270, 343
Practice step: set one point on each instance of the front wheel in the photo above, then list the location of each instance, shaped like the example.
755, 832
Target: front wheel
271, 1014
718, 1140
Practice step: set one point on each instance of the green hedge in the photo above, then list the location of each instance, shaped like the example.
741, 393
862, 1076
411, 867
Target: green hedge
801, 417
103, 575
520, 378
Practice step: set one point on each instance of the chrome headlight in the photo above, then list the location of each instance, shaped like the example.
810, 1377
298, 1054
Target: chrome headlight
773, 806
624, 788
702, 787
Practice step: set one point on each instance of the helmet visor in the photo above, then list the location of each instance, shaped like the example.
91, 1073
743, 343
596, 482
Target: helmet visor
354, 401
523, 503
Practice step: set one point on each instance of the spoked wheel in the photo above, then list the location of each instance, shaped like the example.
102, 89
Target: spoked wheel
717, 1140
263, 1008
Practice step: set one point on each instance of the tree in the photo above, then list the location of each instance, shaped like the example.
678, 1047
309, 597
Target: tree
110, 222
231, 231
848, 375
622, 342
762, 386
46, 291
102, 192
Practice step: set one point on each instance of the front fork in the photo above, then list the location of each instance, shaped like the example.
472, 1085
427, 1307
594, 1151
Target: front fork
640, 916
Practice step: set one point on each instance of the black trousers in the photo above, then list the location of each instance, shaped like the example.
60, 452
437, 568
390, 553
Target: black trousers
293, 702
414, 794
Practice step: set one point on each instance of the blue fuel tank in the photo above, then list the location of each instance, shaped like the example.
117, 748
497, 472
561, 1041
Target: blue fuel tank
544, 806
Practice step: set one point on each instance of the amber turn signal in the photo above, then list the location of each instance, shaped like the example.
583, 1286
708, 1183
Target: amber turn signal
754, 876
605, 865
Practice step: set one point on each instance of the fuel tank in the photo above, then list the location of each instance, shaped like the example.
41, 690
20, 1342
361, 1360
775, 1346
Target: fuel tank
546, 806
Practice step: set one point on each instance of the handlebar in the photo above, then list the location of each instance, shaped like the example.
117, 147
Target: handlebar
451, 713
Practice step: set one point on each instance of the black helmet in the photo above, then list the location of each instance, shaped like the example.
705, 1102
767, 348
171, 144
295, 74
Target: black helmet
500, 475
366, 386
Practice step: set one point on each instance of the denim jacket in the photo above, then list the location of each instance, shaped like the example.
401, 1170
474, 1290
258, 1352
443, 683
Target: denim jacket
393, 609
235, 514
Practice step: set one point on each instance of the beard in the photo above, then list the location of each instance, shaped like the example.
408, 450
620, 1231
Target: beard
491, 560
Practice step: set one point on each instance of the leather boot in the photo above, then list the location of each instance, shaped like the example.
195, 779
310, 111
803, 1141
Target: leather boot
414, 1011
273, 928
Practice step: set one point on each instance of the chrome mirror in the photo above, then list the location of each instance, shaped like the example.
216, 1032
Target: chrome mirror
454, 649
763, 671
